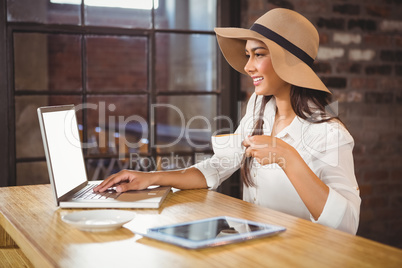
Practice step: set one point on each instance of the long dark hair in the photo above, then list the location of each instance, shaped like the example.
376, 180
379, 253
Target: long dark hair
308, 104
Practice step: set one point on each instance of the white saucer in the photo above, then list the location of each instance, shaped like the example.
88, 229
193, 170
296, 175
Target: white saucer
98, 220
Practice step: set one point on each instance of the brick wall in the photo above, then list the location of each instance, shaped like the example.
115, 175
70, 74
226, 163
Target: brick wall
360, 60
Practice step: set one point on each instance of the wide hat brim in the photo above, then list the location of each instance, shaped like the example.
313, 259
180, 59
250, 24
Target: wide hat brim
288, 67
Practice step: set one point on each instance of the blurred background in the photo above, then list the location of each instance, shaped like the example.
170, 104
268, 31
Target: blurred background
149, 80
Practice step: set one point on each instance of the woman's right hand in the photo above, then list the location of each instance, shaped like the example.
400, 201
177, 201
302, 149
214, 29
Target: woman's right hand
126, 180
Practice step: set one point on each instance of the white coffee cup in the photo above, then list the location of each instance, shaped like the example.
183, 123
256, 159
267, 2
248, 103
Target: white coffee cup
227, 145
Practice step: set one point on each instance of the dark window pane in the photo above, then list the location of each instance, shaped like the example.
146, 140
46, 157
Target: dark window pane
185, 123
186, 14
116, 64
45, 11
186, 62
117, 124
47, 62
99, 169
27, 133
31, 173
122, 14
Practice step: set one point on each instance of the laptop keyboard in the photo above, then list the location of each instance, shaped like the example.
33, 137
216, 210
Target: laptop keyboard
88, 193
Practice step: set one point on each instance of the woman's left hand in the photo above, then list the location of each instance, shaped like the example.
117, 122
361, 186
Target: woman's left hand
267, 149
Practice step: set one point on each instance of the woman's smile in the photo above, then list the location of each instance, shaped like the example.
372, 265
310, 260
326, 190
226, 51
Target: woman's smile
257, 80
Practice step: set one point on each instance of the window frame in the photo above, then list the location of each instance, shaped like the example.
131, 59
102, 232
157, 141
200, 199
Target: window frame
228, 84
6, 154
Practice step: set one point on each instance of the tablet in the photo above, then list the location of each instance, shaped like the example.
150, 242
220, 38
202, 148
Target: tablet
212, 232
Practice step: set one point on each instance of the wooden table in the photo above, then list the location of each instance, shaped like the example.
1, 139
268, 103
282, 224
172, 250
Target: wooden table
30, 217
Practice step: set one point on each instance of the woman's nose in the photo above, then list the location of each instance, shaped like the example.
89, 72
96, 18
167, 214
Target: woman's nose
249, 67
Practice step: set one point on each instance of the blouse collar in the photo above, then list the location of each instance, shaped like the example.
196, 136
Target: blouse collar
294, 129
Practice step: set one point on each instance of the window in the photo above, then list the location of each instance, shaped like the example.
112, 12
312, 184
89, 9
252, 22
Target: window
145, 78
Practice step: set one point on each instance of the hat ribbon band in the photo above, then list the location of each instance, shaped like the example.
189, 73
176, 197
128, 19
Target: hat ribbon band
283, 42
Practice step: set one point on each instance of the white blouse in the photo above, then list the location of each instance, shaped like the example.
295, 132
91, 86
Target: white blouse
327, 150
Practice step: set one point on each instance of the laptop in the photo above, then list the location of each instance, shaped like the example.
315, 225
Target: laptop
67, 172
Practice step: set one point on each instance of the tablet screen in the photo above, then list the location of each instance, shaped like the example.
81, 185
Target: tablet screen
209, 229
212, 232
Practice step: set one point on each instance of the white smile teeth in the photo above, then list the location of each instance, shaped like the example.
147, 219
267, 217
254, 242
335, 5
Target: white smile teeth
257, 79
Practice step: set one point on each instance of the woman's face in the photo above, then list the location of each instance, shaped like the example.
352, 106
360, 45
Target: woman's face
259, 67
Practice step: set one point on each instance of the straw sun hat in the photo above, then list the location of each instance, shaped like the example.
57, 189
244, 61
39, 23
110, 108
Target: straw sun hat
291, 39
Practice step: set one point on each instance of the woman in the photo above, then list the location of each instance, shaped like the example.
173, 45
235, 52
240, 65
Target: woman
298, 155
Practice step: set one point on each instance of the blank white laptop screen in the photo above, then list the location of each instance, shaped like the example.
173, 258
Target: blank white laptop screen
65, 150
66, 165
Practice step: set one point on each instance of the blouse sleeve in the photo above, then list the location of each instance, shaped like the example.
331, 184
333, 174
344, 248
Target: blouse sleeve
333, 164
216, 170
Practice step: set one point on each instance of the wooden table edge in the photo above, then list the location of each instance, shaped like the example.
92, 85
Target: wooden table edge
29, 250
